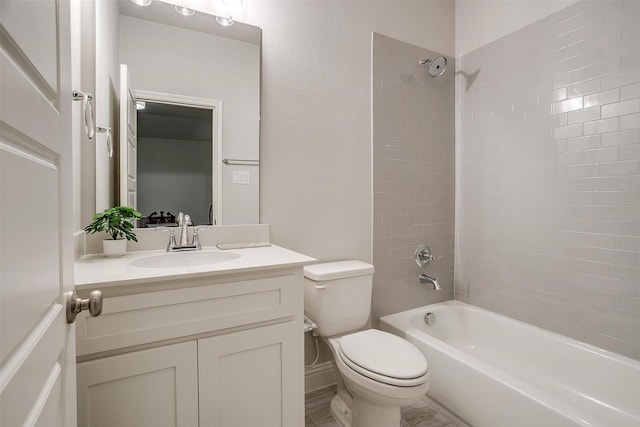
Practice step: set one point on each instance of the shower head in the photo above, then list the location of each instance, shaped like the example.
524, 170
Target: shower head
436, 66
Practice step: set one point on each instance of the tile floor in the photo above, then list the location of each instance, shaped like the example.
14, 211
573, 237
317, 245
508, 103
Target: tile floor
419, 415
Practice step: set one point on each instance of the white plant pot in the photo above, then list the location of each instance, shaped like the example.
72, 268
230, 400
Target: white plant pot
112, 247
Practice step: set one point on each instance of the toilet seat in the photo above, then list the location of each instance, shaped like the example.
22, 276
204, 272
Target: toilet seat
384, 357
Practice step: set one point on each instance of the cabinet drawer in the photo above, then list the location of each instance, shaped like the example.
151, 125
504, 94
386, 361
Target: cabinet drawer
187, 310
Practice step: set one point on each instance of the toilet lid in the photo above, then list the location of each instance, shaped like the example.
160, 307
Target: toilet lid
384, 354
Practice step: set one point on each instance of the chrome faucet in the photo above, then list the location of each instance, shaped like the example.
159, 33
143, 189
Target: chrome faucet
184, 220
432, 280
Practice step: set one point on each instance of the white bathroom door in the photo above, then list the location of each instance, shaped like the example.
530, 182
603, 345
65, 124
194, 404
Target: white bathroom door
128, 142
37, 346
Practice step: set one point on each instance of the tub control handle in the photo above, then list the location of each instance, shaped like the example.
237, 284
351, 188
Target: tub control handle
424, 256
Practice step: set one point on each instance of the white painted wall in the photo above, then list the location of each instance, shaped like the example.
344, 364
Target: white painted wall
479, 22
157, 56
106, 98
315, 147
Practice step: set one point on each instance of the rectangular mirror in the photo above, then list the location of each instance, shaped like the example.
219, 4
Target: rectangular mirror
189, 116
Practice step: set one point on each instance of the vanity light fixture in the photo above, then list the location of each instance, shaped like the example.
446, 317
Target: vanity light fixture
141, 105
225, 22
185, 11
141, 2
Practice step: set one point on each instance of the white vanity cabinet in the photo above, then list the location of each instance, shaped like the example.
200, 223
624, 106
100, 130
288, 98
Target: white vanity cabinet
224, 350
153, 387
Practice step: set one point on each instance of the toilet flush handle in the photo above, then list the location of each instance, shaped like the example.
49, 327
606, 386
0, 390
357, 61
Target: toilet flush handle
320, 285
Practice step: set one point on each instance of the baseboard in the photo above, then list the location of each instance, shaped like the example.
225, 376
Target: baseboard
319, 376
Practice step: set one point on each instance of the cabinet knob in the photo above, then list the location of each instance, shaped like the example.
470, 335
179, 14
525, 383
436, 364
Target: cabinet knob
75, 305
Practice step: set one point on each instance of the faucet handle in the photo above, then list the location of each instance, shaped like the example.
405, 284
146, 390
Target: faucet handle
196, 239
424, 256
172, 237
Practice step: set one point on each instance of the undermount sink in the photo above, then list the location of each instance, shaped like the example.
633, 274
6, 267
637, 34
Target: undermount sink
184, 259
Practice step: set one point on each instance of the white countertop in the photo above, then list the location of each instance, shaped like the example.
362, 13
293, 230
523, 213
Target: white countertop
93, 270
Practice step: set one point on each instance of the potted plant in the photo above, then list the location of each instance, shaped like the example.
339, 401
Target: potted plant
116, 222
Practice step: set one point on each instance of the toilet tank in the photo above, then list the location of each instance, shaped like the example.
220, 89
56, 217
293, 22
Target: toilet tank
337, 295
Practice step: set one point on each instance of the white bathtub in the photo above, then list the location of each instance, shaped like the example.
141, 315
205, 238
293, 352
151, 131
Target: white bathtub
493, 371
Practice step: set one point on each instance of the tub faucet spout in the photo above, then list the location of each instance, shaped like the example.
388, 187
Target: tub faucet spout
431, 280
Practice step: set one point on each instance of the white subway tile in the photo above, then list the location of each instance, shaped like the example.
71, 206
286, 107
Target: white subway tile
629, 304
565, 52
632, 121
619, 227
570, 158
601, 126
583, 115
583, 142
616, 139
626, 167
599, 183
622, 78
568, 131
627, 213
628, 243
618, 257
560, 120
629, 183
631, 60
586, 168
617, 286
600, 155
622, 347
600, 98
598, 240
629, 152
583, 88
576, 171
621, 48
618, 197
628, 331
630, 91
621, 108
602, 299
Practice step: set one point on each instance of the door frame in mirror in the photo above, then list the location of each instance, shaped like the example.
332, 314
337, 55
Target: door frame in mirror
216, 106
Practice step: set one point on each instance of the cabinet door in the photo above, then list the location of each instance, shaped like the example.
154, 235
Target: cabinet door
252, 378
156, 387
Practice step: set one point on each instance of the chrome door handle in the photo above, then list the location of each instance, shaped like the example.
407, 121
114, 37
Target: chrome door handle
75, 305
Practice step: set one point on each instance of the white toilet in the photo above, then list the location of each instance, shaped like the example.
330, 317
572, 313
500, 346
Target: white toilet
381, 372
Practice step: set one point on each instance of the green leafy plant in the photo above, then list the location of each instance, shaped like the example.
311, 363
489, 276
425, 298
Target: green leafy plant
115, 222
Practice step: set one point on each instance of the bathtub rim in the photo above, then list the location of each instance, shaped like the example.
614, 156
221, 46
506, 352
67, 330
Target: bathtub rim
628, 361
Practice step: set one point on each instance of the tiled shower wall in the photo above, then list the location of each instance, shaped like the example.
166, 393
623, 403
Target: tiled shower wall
413, 175
548, 205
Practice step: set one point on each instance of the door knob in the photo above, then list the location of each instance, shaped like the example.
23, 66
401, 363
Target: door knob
75, 305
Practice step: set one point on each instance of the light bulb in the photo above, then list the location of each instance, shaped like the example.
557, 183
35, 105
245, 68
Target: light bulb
185, 11
225, 22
